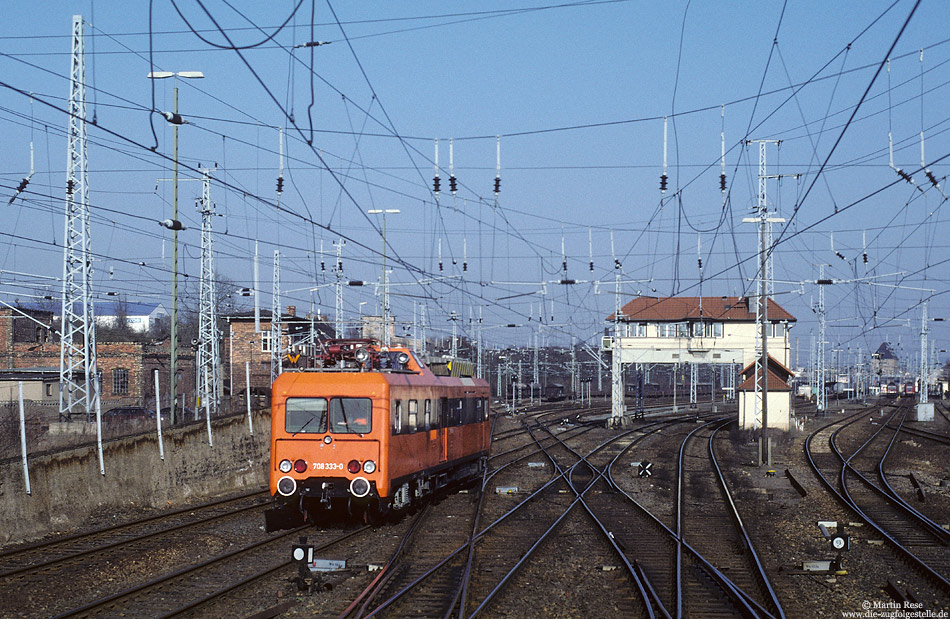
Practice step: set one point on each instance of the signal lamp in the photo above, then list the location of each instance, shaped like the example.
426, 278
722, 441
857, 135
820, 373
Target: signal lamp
286, 486
359, 487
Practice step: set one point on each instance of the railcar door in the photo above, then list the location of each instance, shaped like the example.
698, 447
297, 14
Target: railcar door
430, 418
444, 429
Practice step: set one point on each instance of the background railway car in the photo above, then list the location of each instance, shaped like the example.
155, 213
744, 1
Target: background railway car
554, 392
372, 431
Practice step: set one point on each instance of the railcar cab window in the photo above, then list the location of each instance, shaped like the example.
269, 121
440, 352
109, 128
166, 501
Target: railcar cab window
351, 415
307, 415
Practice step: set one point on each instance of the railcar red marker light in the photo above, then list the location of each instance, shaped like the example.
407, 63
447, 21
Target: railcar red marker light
300, 466
353, 466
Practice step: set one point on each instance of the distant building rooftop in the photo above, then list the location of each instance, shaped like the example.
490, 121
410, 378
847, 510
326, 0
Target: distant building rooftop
677, 309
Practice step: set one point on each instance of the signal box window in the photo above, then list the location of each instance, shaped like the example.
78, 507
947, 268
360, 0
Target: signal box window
351, 415
307, 415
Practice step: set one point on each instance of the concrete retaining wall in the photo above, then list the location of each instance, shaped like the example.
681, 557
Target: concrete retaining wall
67, 487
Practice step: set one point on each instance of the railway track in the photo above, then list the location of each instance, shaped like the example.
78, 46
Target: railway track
59, 553
189, 588
716, 530
847, 455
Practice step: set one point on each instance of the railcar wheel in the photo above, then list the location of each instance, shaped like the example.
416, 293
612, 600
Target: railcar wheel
374, 514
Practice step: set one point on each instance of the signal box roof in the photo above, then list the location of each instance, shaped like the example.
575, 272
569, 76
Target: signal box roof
678, 309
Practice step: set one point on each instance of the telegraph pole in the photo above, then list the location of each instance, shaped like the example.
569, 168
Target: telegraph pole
338, 271
275, 325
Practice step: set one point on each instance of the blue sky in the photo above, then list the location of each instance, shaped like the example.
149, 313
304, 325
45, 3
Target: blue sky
578, 93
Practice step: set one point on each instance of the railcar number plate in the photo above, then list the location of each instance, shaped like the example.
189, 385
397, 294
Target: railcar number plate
328, 466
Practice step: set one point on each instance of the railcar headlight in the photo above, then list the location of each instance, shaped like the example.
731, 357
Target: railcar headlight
300, 466
361, 355
286, 486
285, 466
369, 467
359, 487
353, 466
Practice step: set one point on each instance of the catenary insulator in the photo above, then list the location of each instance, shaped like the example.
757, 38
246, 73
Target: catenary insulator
722, 182
663, 179
280, 184
436, 182
452, 184
497, 185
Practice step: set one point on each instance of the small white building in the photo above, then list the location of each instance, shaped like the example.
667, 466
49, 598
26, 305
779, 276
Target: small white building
779, 397
140, 317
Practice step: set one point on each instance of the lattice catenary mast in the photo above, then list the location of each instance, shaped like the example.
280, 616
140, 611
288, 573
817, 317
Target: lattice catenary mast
207, 356
78, 371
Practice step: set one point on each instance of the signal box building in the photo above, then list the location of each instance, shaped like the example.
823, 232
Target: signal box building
702, 330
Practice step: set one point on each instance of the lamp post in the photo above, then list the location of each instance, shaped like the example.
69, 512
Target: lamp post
383, 212
174, 225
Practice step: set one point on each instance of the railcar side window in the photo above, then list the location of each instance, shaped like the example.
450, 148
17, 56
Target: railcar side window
428, 414
397, 417
413, 415
351, 415
306, 415
455, 412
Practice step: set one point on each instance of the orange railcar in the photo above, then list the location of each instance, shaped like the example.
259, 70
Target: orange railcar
374, 431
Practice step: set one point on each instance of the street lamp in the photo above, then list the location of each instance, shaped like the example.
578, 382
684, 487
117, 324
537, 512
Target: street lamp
384, 212
174, 225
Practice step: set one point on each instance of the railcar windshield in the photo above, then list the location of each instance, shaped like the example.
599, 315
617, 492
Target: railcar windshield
306, 415
351, 415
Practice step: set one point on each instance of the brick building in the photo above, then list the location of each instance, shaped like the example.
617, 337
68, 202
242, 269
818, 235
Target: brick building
27, 341
244, 344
